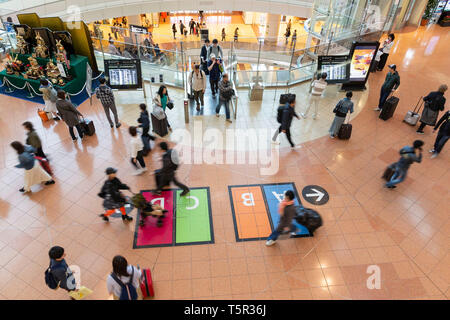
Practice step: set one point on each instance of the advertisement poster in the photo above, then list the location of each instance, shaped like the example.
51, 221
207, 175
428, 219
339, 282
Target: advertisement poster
360, 63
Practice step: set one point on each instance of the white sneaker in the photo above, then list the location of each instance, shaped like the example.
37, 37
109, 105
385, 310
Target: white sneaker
144, 169
303, 115
270, 242
137, 172
275, 142
431, 151
293, 234
434, 155
297, 146
377, 109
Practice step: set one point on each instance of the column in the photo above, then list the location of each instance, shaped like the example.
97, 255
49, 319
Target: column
273, 26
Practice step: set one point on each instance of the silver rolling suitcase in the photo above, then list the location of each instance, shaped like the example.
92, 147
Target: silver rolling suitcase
412, 117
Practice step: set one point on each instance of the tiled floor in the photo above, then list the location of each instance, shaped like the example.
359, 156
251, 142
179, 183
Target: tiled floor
404, 232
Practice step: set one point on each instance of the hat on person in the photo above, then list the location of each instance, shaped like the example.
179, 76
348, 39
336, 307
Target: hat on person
393, 66
212, 56
110, 170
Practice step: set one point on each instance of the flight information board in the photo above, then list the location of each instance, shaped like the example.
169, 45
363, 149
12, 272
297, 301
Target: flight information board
124, 73
336, 67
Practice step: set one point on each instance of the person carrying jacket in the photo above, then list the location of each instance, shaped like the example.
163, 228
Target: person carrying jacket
112, 195
60, 270
197, 81
69, 114
408, 157
166, 174
33, 139
391, 83
443, 134
286, 121
434, 102
287, 213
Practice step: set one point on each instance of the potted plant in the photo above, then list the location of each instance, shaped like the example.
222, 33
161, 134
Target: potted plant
428, 12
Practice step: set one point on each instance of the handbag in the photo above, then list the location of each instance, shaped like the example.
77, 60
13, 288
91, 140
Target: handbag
338, 107
170, 105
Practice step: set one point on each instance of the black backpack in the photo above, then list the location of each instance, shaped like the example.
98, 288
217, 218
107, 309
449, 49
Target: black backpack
50, 280
128, 292
280, 113
309, 218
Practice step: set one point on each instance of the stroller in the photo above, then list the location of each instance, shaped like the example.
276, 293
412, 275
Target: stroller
148, 209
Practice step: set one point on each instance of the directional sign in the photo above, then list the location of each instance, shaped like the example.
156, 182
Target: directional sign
315, 195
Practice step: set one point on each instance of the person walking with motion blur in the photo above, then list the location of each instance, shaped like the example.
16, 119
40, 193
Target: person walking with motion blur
49, 95
285, 114
317, 89
287, 213
34, 174
343, 107
33, 139
443, 134
106, 97
434, 102
136, 151
69, 114
408, 157
113, 197
236, 34
294, 38
124, 282
287, 35
166, 174
144, 120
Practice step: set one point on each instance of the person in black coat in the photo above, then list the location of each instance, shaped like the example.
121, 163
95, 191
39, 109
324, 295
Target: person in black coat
166, 174
434, 102
144, 120
113, 197
286, 121
204, 56
443, 134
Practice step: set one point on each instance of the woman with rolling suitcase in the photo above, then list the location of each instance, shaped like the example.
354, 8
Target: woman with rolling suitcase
69, 114
343, 107
434, 102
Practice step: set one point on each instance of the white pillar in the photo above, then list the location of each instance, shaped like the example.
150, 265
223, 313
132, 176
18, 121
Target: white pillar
273, 24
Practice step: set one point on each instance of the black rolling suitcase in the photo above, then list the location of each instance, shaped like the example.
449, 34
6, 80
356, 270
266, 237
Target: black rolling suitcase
389, 108
88, 126
284, 98
345, 131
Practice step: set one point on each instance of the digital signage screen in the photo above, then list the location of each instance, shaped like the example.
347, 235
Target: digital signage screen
124, 74
336, 68
361, 59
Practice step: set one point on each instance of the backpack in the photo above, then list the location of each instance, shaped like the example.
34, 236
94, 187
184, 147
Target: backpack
228, 94
128, 292
50, 280
201, 74
280, 111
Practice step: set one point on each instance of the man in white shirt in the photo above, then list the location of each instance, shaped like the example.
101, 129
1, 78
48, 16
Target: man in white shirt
197, 80
387, 45
318, 87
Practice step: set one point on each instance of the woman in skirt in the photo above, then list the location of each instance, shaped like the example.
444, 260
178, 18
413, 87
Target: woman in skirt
49, 96
342, 108
34, 174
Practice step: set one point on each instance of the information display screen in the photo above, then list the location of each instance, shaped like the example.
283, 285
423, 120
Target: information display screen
124, 74
138, 29
336, 68
362, 56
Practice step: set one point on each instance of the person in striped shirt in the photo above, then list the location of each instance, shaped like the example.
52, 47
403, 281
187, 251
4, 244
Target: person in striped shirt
318, 87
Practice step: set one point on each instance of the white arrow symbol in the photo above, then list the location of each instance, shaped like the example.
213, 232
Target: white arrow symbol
318, 194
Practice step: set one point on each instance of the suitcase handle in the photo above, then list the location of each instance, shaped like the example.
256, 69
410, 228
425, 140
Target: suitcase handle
419, 104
